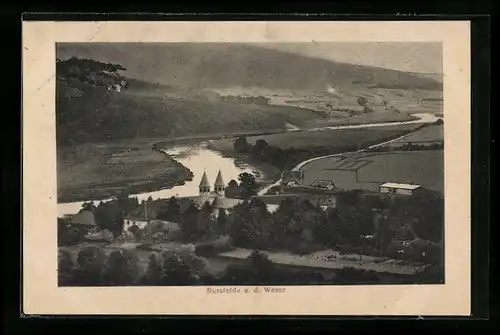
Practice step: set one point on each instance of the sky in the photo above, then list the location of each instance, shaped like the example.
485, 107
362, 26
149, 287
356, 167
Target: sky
421, 57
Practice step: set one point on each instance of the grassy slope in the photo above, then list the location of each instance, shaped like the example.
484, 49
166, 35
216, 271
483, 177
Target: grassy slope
427, 135
101, 115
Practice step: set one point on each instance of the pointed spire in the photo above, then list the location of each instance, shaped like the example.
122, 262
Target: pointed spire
204, 180
219, 181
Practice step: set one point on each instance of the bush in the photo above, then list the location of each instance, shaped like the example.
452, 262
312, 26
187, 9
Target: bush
91, 262
181, 267
122, 268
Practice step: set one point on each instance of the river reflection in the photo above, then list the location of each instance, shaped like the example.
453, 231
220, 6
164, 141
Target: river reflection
197, 158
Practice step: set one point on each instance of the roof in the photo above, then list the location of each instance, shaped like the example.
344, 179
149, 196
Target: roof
154, 207
401, 186
204, 180
161, 226
219, 181
293, 175
225, 203
84, 218
322, 183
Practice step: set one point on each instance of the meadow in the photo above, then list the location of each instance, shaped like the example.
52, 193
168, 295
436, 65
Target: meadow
368, 170
425, 136
321, 138
101, 171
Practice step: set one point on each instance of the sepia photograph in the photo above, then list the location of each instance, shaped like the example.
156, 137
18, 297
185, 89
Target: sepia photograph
250, 164
204, 165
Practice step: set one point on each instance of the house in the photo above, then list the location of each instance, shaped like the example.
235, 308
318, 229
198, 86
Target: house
84, 219
324, 198
292, 178
325, 184
140, 217
397, 188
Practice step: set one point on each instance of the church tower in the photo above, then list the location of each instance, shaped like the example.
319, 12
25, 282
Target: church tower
219, 185
204, 184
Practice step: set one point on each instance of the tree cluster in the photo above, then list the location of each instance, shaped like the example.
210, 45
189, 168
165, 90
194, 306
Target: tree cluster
359, 224
90, 71
122, 268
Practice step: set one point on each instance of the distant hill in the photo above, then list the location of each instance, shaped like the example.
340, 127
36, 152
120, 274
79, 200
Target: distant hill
227, 65
122, 91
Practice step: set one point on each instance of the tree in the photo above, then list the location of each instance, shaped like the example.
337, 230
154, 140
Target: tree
189, 222
90, 261
222, 221
181, 268
259, 147
121, 268
206, 224
250, 224
362, 101
65, 268
232, 189
153, 272
248, 184
171, 211
241, 145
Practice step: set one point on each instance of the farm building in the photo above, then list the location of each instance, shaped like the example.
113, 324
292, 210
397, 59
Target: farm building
318, 196
84, 219
324, 184
292, 178
397, 188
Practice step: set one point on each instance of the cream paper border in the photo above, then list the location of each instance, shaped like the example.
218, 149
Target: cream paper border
41, 294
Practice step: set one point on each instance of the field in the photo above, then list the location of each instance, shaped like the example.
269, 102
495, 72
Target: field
321, 138
330, 259
368, 171
100, 171
388, 105
428, 135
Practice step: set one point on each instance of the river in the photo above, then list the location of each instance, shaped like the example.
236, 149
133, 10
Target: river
199, 158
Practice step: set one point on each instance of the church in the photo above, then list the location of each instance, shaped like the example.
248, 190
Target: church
213, 194
216, 196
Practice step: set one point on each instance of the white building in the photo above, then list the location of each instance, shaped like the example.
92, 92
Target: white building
397, 188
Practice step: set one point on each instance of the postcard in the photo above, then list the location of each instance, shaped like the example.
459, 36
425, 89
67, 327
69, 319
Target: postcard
246, 168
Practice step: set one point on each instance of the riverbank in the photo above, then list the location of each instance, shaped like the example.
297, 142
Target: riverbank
105, 170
